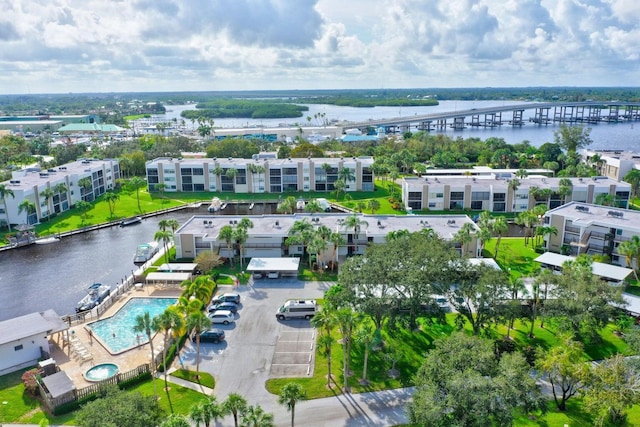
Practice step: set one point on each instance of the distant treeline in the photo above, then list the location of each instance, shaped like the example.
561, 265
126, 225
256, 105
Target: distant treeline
239, 108
369, 101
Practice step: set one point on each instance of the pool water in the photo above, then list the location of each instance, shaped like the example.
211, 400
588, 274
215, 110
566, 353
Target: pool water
101, 372
116, 332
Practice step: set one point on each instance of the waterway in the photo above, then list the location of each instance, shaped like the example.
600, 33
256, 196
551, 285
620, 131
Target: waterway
620, 136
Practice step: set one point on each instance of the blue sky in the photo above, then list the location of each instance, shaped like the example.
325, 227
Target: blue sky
58, 46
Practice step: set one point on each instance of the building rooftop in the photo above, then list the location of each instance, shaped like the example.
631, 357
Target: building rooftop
230, 161
208, 226
30, 177
46, 322
489, 181
585, 215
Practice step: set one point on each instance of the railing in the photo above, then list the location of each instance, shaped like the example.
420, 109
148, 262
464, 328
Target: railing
571, 229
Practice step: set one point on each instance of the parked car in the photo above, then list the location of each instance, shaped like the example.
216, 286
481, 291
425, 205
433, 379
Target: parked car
226, 297
222, 316
225, 305
214, 335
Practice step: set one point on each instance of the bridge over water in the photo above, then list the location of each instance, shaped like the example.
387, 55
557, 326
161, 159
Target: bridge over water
489, 117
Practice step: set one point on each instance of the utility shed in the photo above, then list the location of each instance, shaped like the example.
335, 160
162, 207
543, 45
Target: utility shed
274, 267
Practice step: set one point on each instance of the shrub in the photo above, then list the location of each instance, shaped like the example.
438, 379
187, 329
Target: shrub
30, 381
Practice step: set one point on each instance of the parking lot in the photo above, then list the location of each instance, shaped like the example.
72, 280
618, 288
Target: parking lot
257, 345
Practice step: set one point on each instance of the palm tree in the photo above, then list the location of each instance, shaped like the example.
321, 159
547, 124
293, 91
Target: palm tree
353, 222
336, 240
161, 188
499, 227
465, 235
630, 250
521, 173
338, 187
27, 206
198, 322
168, 320
135, 184
240, 235
163, 224
346, 175
234, 405
166, 237
514, 183
47, 194
326, 167
288, 205
197, 413
86, 186
346, 320
632, 177
360, 205
313, 206
212, 410
111, 198
254, 416
291, 394
316, 245
226, 233
4, 193
364, 336
374, 205
325, 320
231, 175
175, 420
145, 325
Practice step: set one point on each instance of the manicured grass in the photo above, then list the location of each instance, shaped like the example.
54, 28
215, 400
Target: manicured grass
22, 409
204, 379
514, 256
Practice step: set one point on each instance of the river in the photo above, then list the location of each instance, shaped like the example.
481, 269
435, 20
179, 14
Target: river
621, 136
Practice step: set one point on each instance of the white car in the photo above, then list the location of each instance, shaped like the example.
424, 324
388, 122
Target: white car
222, 316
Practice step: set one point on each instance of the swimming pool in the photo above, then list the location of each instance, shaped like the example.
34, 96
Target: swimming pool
116, 332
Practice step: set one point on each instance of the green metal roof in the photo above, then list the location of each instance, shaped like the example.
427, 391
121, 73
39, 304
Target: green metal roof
90, 127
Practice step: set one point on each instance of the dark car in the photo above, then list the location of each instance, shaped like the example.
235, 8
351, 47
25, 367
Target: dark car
225, 305
227, 297
214, 335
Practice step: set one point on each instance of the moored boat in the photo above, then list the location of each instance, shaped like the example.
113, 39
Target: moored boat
215, 205
145, 252
96, 293
300, 204
130, 221
47, 240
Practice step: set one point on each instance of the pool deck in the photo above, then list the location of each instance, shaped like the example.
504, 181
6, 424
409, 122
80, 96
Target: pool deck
75, 366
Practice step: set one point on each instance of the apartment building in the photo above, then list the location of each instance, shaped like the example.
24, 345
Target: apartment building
66, 188
269, 233
498, 192
260, 175
612, 163
591, 229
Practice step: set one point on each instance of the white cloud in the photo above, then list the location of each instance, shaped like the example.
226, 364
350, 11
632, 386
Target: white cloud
153, 45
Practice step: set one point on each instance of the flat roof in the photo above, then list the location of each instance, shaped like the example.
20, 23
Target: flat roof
585, 215
274, 264
446, 226
492, 180
598, 268
168, 277
177, 267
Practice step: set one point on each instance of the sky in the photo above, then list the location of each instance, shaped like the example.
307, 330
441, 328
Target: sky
60, 46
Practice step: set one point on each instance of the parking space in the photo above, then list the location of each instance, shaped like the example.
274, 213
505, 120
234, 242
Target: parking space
295, 349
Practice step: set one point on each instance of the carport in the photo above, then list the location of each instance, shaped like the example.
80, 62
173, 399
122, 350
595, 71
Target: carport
611, 273
286, 267
167, 279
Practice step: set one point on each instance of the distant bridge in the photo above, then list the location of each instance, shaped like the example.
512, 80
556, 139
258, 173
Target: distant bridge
490, 117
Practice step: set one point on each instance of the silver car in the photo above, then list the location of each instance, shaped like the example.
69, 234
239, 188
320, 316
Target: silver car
222, 316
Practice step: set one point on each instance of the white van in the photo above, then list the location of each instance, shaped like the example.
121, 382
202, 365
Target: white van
297, 309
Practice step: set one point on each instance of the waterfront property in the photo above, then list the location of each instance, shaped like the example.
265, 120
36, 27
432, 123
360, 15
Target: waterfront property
260, 175
498, 193
267, 238
24, 340
591, 229
63, 183
612, 163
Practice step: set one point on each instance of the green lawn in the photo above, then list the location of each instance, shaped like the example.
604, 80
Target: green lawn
204, 379
22, 409
514, 256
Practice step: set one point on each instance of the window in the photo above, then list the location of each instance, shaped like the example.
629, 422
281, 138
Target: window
499, 207
476, 205
499, 197
18, 347
480, 195
457, 195
198, 171
432, 205
415, 195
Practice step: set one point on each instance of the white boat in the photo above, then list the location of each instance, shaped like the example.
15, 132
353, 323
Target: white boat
96, 293
300, 204
224, 205
47, 240
145, 252
216, 205
324, 204
251, 206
